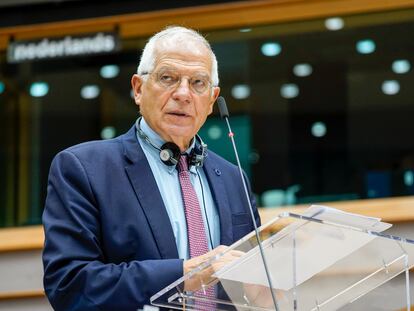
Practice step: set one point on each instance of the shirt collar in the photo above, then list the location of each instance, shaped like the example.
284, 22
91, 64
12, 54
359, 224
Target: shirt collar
158, 141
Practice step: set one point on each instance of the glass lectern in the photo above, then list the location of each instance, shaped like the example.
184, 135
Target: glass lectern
322, 260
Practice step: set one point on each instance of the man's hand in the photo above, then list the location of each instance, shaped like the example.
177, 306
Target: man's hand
205, 276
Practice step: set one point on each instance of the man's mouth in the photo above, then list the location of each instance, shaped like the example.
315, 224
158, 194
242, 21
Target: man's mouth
178, 114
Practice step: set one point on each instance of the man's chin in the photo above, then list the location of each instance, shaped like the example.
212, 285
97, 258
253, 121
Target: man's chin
180, 132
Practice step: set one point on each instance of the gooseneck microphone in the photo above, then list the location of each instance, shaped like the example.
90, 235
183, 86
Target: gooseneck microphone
224, 114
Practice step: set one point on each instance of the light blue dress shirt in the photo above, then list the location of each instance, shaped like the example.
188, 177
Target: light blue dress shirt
169, 187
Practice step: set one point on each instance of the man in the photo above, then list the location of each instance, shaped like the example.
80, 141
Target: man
115, 219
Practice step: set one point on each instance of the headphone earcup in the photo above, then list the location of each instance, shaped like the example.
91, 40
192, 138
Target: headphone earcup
170, 153
198, 153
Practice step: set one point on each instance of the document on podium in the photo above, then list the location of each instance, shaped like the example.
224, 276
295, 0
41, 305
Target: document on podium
303, 249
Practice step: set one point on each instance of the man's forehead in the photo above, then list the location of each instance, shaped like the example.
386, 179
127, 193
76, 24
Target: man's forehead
185, 55
182, 45
182, 41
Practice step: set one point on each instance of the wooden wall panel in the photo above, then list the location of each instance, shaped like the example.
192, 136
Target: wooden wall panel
21, 239
57, 30
227, 15
254, 13
392, 210
4, 41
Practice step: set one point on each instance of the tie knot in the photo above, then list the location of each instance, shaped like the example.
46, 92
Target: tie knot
182, 164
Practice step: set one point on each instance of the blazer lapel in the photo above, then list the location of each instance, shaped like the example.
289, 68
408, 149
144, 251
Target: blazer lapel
149, 197
218, 190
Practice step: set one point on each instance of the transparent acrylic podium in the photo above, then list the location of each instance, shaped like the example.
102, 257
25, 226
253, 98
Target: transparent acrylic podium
322, 260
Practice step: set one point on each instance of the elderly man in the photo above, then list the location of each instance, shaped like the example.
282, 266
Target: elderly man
126, 217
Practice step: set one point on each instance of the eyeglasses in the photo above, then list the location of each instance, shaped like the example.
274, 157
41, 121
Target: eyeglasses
170, 79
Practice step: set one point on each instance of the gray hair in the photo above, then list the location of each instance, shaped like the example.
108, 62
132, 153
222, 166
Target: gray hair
147, 61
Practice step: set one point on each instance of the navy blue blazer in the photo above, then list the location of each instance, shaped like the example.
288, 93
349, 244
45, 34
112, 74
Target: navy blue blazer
109, 244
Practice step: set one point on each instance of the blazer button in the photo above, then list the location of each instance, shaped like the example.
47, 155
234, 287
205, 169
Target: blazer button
217, 171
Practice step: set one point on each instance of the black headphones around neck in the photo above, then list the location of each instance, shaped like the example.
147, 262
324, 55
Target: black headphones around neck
170, 153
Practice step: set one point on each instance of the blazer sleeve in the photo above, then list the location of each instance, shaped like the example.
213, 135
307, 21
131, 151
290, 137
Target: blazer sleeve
76, 274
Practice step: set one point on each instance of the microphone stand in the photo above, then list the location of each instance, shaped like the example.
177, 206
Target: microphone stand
225, 115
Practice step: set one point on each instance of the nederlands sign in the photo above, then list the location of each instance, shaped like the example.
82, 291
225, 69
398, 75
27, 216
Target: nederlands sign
69, 46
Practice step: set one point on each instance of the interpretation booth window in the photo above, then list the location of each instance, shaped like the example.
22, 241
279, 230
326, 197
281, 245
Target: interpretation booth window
322, 110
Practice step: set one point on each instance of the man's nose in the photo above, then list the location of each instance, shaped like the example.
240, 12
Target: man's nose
183, 91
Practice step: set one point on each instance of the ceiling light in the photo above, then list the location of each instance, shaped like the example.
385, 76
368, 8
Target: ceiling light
302, 70
408, 178
365, 46
401, 66
289, 90
318, 129
240, 91
214, 132
334, 23
390, 87
108, 132
90, 91
39, 89
109, 71
245, 30
271, 49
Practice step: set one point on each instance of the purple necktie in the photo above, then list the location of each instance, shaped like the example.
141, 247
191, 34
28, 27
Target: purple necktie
196, 232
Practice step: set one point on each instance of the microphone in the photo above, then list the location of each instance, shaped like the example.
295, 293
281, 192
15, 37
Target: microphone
224, 114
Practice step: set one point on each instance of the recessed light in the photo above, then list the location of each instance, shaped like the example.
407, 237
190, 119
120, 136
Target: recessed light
215, 132
334, 23
240, 91
408, 178
401, 66
302, 70
90, 91
366, 46
289, 90
39, 89
390, 87
109, 71
271, 49
108, 132
318, 129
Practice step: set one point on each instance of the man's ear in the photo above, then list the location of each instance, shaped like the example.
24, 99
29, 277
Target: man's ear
136, 84
216, 92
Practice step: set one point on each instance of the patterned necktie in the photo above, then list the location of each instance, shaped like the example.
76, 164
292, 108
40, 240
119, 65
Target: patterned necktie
195, 225
196, 232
